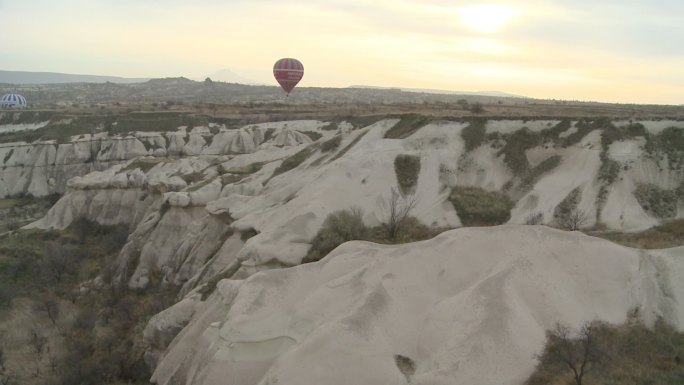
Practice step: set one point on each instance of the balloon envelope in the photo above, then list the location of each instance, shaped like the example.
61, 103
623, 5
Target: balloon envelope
12, 101
288, 72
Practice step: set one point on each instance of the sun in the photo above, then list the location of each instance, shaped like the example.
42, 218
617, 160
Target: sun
486, 18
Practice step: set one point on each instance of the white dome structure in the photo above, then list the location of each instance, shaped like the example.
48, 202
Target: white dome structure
12, 101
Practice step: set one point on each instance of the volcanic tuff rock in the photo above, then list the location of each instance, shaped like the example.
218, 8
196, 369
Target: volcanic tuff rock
227, 194
469, 306
43, 168
201, 218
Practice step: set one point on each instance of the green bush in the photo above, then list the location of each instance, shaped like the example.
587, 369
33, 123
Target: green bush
407, 169
338, 227
477, 207
552, 134
659, 202
584, 127
514, 151
669, 142
609, 171
474, 134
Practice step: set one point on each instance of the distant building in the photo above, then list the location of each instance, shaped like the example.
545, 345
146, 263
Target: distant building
12, 101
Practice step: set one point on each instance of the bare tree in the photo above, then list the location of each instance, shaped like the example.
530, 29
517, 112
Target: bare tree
49, 306
56, 261
37, 343
579, 355
398, 209
575, 219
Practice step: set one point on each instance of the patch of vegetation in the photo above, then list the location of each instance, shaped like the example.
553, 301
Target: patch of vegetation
143, 164
26, 117
514, 151
347, 225
23, 209
533, 175
658, 202
584, 127
609, 171
156, 121
358, 122
607, 174
669, 234
349, 146
331, 126
612, 133
63, 126
407, 125
338, 227
669, 142
331, 144
99, 343
565, 208
247, 234
407, 169
477, 108
8, 155
477, 207
293, 161
268, 135
231, 178
553, 134
406, 366
410, 230
313, 135
474, 134
605, 354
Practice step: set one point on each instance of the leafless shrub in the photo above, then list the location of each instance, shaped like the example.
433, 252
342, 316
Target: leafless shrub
48, 306
535, 218
398, 209
574, 220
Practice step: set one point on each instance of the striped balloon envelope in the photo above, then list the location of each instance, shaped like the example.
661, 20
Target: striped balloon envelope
12, 101
288, 72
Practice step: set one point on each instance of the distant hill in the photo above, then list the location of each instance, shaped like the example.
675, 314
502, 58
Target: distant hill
228, 76
24, 77
446, 92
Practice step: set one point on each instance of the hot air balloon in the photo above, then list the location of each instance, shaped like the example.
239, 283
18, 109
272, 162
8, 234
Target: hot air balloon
288, 72
12, 101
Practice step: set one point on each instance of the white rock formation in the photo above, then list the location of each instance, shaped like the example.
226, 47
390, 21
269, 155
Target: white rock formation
43, 168
470, 306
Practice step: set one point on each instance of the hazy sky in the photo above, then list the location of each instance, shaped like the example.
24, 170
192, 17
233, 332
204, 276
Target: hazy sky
607, 50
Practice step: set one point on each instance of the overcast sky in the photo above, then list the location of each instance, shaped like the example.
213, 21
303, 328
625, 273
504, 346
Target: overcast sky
606, 50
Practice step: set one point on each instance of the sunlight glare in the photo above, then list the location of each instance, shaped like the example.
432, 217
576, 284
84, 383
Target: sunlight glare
486, 18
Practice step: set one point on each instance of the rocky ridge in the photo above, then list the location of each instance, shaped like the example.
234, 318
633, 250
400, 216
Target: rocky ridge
257, 204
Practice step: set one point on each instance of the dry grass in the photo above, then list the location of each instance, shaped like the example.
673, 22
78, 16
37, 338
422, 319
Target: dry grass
669, 234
